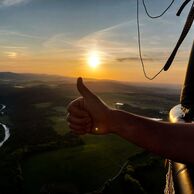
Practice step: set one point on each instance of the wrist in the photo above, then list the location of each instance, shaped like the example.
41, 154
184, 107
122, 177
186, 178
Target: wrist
113, 123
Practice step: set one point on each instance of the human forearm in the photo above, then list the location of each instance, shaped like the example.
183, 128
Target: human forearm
162, 138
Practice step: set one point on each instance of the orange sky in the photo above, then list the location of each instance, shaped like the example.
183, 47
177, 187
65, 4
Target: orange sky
59, 37
125, 71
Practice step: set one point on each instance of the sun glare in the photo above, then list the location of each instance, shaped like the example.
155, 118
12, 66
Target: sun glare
94, 60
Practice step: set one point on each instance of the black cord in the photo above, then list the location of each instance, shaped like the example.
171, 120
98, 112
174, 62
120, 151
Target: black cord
139, 48
186, 28
157, 16
182, 7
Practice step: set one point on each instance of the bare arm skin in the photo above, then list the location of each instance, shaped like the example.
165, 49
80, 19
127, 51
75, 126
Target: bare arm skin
88, 114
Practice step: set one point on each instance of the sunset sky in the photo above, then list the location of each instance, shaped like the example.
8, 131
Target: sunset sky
61, 36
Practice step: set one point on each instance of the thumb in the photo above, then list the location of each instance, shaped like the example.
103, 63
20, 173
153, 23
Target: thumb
83, 90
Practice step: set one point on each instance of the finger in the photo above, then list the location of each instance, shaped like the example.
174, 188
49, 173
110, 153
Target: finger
85, 123
78, 120
78, 102
89, 128
79, 129
83, 90
76, 127
77, 112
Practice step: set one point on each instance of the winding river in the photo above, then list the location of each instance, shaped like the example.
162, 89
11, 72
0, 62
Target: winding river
6, 129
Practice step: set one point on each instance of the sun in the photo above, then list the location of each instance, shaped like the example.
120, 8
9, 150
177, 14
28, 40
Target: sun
94, 59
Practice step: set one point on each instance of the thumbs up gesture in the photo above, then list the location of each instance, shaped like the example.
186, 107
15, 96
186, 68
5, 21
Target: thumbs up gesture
88, 114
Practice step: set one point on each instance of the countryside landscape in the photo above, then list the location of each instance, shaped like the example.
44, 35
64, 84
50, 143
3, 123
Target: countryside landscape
42, 155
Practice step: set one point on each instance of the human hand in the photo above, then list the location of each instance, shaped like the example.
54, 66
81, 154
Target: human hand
88, 114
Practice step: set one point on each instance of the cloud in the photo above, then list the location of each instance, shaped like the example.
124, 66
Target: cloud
61, 46
14, 33
114, 40
7, 3
117, 42
10, 47
59, 42
11, 55
16, 44
107, 42
123, 59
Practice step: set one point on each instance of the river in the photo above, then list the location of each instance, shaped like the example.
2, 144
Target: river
6, 129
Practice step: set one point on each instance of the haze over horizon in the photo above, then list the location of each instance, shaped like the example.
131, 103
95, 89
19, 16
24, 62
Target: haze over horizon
60, 37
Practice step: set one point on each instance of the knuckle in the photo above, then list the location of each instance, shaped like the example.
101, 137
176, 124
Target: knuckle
71, 105
68, 117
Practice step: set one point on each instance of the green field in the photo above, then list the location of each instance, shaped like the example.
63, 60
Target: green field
86, 167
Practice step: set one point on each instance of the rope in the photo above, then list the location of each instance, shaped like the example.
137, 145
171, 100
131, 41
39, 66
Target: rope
157, 16
169, 189
140, 50
184, 33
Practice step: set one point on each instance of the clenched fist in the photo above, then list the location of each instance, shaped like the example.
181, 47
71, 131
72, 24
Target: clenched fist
88, 114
